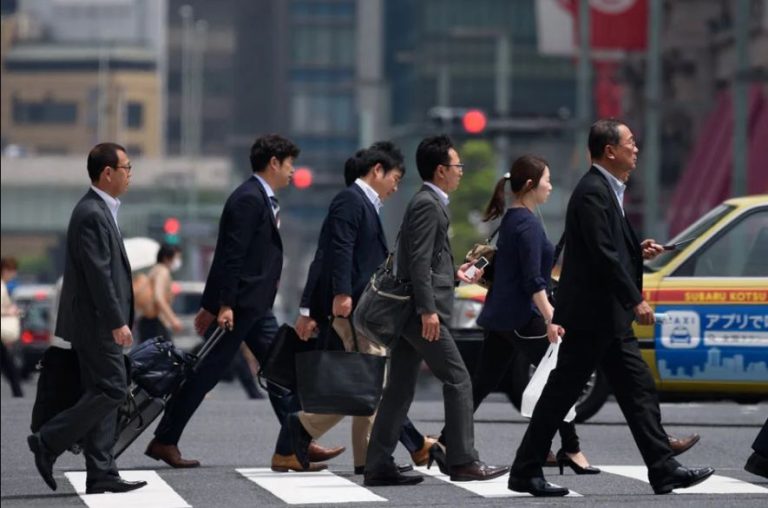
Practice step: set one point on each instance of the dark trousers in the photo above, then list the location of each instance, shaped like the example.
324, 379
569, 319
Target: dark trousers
580, 354
761, 441
93, 419
496, 355
443, 358
9, 370
258, 332
152, 327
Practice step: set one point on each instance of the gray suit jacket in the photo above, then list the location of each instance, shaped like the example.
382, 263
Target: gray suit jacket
424, 254
96, 295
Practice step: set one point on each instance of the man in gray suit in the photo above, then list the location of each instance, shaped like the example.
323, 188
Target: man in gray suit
424, 258
95, 314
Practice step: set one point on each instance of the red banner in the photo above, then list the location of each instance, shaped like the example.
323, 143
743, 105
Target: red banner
616, 24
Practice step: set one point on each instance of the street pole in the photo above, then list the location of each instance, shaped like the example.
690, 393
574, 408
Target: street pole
583, 91
503, 95
739, 91
651, 155
187, 43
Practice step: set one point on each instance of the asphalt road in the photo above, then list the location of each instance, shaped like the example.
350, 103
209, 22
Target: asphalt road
234, 438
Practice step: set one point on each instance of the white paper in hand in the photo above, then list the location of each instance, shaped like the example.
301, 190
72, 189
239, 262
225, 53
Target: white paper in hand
538, 380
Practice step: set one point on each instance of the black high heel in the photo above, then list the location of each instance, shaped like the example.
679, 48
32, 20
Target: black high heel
436, 454
564, 460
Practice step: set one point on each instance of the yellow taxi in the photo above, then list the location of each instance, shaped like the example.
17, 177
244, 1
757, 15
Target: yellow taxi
711, 287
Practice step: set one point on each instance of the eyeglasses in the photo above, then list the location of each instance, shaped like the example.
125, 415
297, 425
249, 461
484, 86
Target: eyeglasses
127, 167
460, 166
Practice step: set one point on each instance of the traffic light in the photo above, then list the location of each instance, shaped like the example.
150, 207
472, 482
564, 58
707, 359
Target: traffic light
171, 228
302, 178
474, 121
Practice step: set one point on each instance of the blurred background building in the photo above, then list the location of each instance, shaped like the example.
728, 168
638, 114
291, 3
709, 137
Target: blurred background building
186, 85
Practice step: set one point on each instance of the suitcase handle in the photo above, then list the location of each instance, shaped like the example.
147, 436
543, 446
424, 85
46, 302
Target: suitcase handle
209, 344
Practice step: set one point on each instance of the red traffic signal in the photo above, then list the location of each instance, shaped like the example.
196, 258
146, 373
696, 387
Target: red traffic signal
474, 121
302, 178
171, 226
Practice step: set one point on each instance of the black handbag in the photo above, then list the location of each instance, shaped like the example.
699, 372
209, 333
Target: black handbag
487, 250
158, 366
385, 305
340, 382
279, 366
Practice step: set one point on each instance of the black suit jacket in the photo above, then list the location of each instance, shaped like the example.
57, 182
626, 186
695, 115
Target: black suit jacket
96, 293
248, 259
424, 254
351, 246
602, 275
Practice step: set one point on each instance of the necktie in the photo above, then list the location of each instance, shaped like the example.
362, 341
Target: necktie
275, 209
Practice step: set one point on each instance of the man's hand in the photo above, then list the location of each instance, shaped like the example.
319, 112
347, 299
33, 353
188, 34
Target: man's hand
644, 314
651, 249
203, 320
305, 326
226, 318
342, 306
123, 336
430, 327
176, 325
554, 332
461, 273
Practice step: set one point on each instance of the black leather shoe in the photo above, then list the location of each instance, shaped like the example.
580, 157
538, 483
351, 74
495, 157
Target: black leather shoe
300, 439
44, 460
401, 468
391, 478
681, 478
113, 485
476, 470
538, 487
757, 464
683, 444
564, 460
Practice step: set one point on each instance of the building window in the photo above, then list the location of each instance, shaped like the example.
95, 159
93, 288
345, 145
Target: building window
47, 111
134, 115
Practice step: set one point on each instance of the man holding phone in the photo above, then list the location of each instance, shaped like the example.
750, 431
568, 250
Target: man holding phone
599, 295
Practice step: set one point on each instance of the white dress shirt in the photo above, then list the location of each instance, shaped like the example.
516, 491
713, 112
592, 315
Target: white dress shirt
371, 194
617, 185
440, 192
112, 203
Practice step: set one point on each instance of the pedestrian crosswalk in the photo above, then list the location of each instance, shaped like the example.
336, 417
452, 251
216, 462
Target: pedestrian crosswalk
330, 488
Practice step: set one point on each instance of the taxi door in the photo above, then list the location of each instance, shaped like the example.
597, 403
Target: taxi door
715, 295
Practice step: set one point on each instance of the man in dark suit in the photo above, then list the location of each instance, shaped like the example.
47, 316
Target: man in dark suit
95, 314
424, 258
599, 294
239, 292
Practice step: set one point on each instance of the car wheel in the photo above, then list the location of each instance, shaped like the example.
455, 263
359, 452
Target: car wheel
593, 397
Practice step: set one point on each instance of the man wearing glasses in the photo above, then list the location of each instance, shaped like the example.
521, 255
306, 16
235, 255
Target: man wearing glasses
96, 315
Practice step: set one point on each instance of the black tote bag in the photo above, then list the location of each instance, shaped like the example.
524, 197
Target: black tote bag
340, 382
279, 367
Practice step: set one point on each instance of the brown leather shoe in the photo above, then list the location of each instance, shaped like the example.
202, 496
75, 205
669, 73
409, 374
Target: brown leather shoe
285, 463
476, 470
317, 453
421, 456
169, 454
683, 444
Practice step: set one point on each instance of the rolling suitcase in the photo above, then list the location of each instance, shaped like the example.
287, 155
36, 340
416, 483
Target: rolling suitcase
142, 408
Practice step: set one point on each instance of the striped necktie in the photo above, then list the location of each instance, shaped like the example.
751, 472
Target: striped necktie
275, 209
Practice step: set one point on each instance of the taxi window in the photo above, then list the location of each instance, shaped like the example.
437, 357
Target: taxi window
741, 250
691, 232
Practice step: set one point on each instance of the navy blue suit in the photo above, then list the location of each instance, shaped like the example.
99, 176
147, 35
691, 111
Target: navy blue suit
244, 275
351, 246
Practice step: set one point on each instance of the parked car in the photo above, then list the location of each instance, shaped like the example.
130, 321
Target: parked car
713, 289
36, 304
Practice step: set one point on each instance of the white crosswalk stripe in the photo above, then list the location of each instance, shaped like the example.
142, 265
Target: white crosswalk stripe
490, 488
157, 493
315, 488
715, 484
326, 487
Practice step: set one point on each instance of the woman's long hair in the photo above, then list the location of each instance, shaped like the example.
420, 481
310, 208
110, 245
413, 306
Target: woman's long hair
527, 167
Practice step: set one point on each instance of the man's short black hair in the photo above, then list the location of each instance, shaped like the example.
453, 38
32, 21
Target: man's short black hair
271, 145
602, 133
391, 149
364, 159
167, 251
101, 156
432, 152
